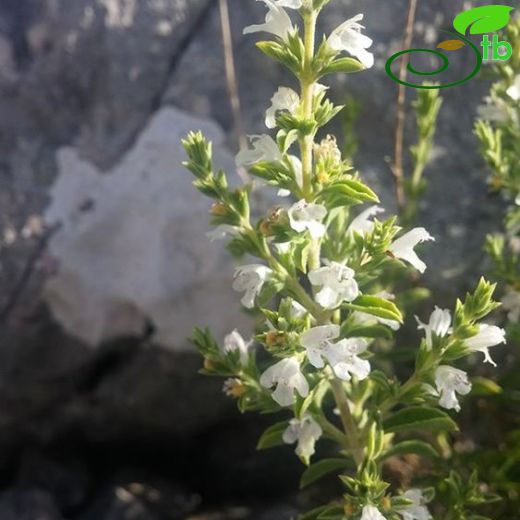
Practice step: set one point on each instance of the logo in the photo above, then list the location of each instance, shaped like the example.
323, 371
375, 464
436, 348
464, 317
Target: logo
478, 21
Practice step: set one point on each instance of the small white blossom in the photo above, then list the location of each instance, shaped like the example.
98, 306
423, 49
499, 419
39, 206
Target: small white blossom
439, 324
234, 342
306, 432
316, 341
362, 223
344, 360
403, 247
450, 382
371, 513
277, 21
337, 284
511, 303
292, 4
487, 336
222, 231
493, 110
307, 216
250, 279
417, 510
264, 149
514, 90
283, 99
347, 37
297, 310
287, 377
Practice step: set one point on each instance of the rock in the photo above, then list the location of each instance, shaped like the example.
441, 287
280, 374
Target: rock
87, 73
132, 247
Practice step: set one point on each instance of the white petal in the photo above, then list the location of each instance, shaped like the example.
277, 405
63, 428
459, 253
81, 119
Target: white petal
371, 513
328, 298
402, 248
284, 395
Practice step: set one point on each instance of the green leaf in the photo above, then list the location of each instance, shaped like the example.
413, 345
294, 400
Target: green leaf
376, 307
336, 512
417, 447
350, 191
481, 20
418, 418
272, 436
313, 514
482, 386
320, 469
343, 65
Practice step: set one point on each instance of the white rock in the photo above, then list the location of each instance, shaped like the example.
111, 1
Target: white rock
132, 245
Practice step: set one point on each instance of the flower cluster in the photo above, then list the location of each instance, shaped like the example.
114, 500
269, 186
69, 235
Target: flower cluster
316, 282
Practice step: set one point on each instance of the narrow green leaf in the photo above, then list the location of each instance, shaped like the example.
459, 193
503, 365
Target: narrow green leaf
272, 436
418, 418
318, 470
482, 386
343, 65
417, 447
376, 307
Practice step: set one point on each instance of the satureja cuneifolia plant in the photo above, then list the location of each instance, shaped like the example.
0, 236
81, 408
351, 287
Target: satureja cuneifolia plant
315, 283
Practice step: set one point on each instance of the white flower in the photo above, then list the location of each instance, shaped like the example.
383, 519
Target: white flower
402, 248
487, 336
250, 279
493, 110
514, 90
291, 4
287, 377
439, 324
347, 37
234, 342
306, 432
222, 231
511, 303
337, 284
417, 510
277, 21
362, 223
307, 216
264, 149
316, 341
344, 360
283, 99
371, 513
450, 382
297, 310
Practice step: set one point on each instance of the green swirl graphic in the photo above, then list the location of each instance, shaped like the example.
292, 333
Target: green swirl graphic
442, 67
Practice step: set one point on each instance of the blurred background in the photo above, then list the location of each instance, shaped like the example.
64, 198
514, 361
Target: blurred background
105, 266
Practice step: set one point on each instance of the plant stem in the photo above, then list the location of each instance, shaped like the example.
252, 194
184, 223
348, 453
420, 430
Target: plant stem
307, 96
347, 419
398, 169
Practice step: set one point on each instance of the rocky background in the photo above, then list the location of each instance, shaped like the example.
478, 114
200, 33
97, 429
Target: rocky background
104, 263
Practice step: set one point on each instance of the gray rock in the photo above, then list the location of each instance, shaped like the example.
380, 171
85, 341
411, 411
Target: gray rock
132, 247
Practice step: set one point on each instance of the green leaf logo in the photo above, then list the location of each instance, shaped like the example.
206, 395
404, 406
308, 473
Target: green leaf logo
481, 20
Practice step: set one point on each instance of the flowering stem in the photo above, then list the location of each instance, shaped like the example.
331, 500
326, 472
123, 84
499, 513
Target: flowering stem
307, 94
349, 424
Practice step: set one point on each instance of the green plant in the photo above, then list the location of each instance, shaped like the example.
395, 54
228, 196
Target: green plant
318, 285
